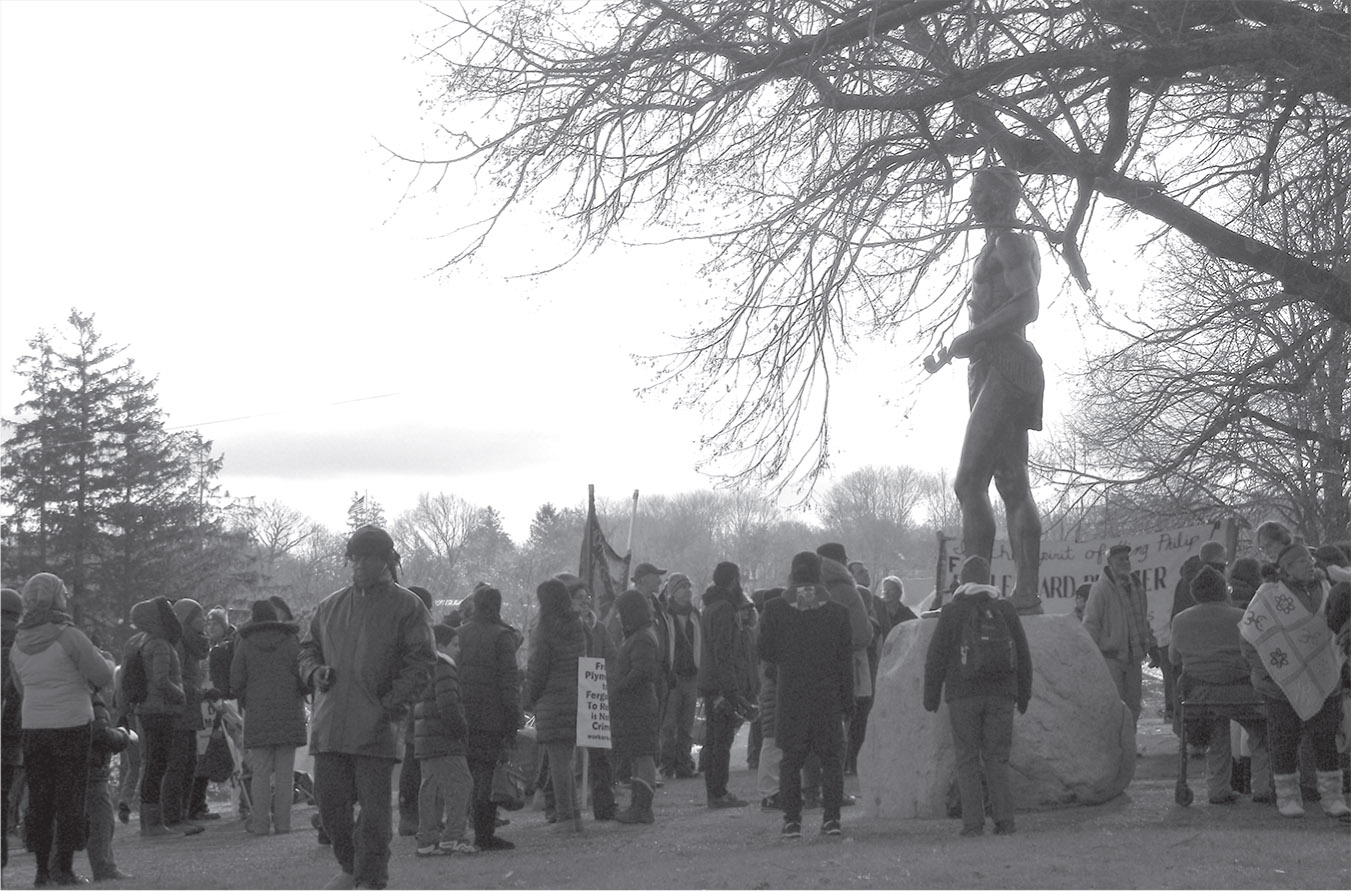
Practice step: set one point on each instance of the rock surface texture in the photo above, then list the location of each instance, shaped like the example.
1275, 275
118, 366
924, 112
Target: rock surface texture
1075, 745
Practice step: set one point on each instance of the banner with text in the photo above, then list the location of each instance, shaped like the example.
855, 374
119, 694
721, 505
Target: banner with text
1156, 560
593, 704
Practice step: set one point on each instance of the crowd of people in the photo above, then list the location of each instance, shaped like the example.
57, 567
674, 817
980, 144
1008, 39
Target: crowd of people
1260, 643
373, 681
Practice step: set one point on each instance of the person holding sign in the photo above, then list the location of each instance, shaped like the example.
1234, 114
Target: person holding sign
551, 691
633, 709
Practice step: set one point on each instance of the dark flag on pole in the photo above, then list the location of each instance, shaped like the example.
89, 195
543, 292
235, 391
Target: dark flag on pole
603, 570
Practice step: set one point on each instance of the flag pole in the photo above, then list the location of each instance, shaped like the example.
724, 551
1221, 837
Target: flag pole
633, 518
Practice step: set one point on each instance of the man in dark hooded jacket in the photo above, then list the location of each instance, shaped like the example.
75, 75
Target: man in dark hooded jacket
368, 655
807, 638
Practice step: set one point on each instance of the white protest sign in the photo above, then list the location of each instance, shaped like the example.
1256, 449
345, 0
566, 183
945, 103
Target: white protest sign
1156, 560
593, 704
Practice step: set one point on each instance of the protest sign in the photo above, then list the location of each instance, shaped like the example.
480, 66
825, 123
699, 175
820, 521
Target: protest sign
1156, 560
593, 704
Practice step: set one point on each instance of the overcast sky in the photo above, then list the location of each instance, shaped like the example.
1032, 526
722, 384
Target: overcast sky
204, 178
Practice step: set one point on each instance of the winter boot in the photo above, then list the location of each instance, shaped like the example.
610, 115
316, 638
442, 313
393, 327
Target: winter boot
640, 805
1331, 796
1287, 795
152, 824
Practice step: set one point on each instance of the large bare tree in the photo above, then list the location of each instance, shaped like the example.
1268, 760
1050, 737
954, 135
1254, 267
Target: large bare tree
823, 149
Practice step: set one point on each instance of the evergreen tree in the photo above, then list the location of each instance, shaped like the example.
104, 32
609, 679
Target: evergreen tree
102, 494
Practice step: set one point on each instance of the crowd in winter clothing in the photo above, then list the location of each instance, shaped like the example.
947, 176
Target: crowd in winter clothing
372, 680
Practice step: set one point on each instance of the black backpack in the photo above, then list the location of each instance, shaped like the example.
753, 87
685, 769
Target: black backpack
985, 650
135, 684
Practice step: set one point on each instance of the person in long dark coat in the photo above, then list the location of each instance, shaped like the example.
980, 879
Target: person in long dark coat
551, 690
265, 675
634, 723
807, 637
490, 691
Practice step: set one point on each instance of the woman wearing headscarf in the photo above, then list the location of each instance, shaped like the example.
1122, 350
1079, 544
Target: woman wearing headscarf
551, 690
54, 666
1296, 667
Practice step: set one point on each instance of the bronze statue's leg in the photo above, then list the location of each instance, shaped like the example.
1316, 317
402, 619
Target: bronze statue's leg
1024, 521
974, 472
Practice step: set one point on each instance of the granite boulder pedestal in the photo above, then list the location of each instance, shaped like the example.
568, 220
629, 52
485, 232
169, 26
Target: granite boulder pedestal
1074, 746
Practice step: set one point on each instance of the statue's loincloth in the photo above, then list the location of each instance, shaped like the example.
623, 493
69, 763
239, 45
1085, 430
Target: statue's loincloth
1010, 368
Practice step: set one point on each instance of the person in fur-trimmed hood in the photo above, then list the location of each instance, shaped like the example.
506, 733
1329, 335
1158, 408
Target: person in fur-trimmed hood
265, 675
981, 707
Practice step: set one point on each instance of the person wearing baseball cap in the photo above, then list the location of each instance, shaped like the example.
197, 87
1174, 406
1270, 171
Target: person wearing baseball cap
368, 655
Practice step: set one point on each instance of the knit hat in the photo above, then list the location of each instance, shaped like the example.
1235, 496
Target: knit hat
11, 602
263, 611
424, 595
488, 599
726, 574
283, 611
833, 550
370, 541
634, 609
677, 581
217, 616
975, 570
553, 597
1291, 550
1330, 555
1208, 586
44, 591
1213, 552
806, 569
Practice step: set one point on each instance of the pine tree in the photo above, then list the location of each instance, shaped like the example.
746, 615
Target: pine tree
102, 494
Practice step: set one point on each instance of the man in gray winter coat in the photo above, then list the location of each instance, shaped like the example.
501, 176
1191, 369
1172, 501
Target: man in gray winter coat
368, 655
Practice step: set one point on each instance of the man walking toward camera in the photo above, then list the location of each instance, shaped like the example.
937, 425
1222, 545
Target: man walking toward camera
368, 656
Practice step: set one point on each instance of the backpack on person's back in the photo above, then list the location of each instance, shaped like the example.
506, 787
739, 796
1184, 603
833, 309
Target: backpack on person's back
985, 647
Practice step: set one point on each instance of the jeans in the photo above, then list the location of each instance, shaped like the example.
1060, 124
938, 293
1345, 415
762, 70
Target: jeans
767, 774
560, 774
678, 725
341, 783
1127, 675
157, 731
982, 734
1284, 729
101, 819
176, 787
56, 762
824, 739
858, 725
482, 811
1170, 672
443, 799
273, 782
410, 783
719, 734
